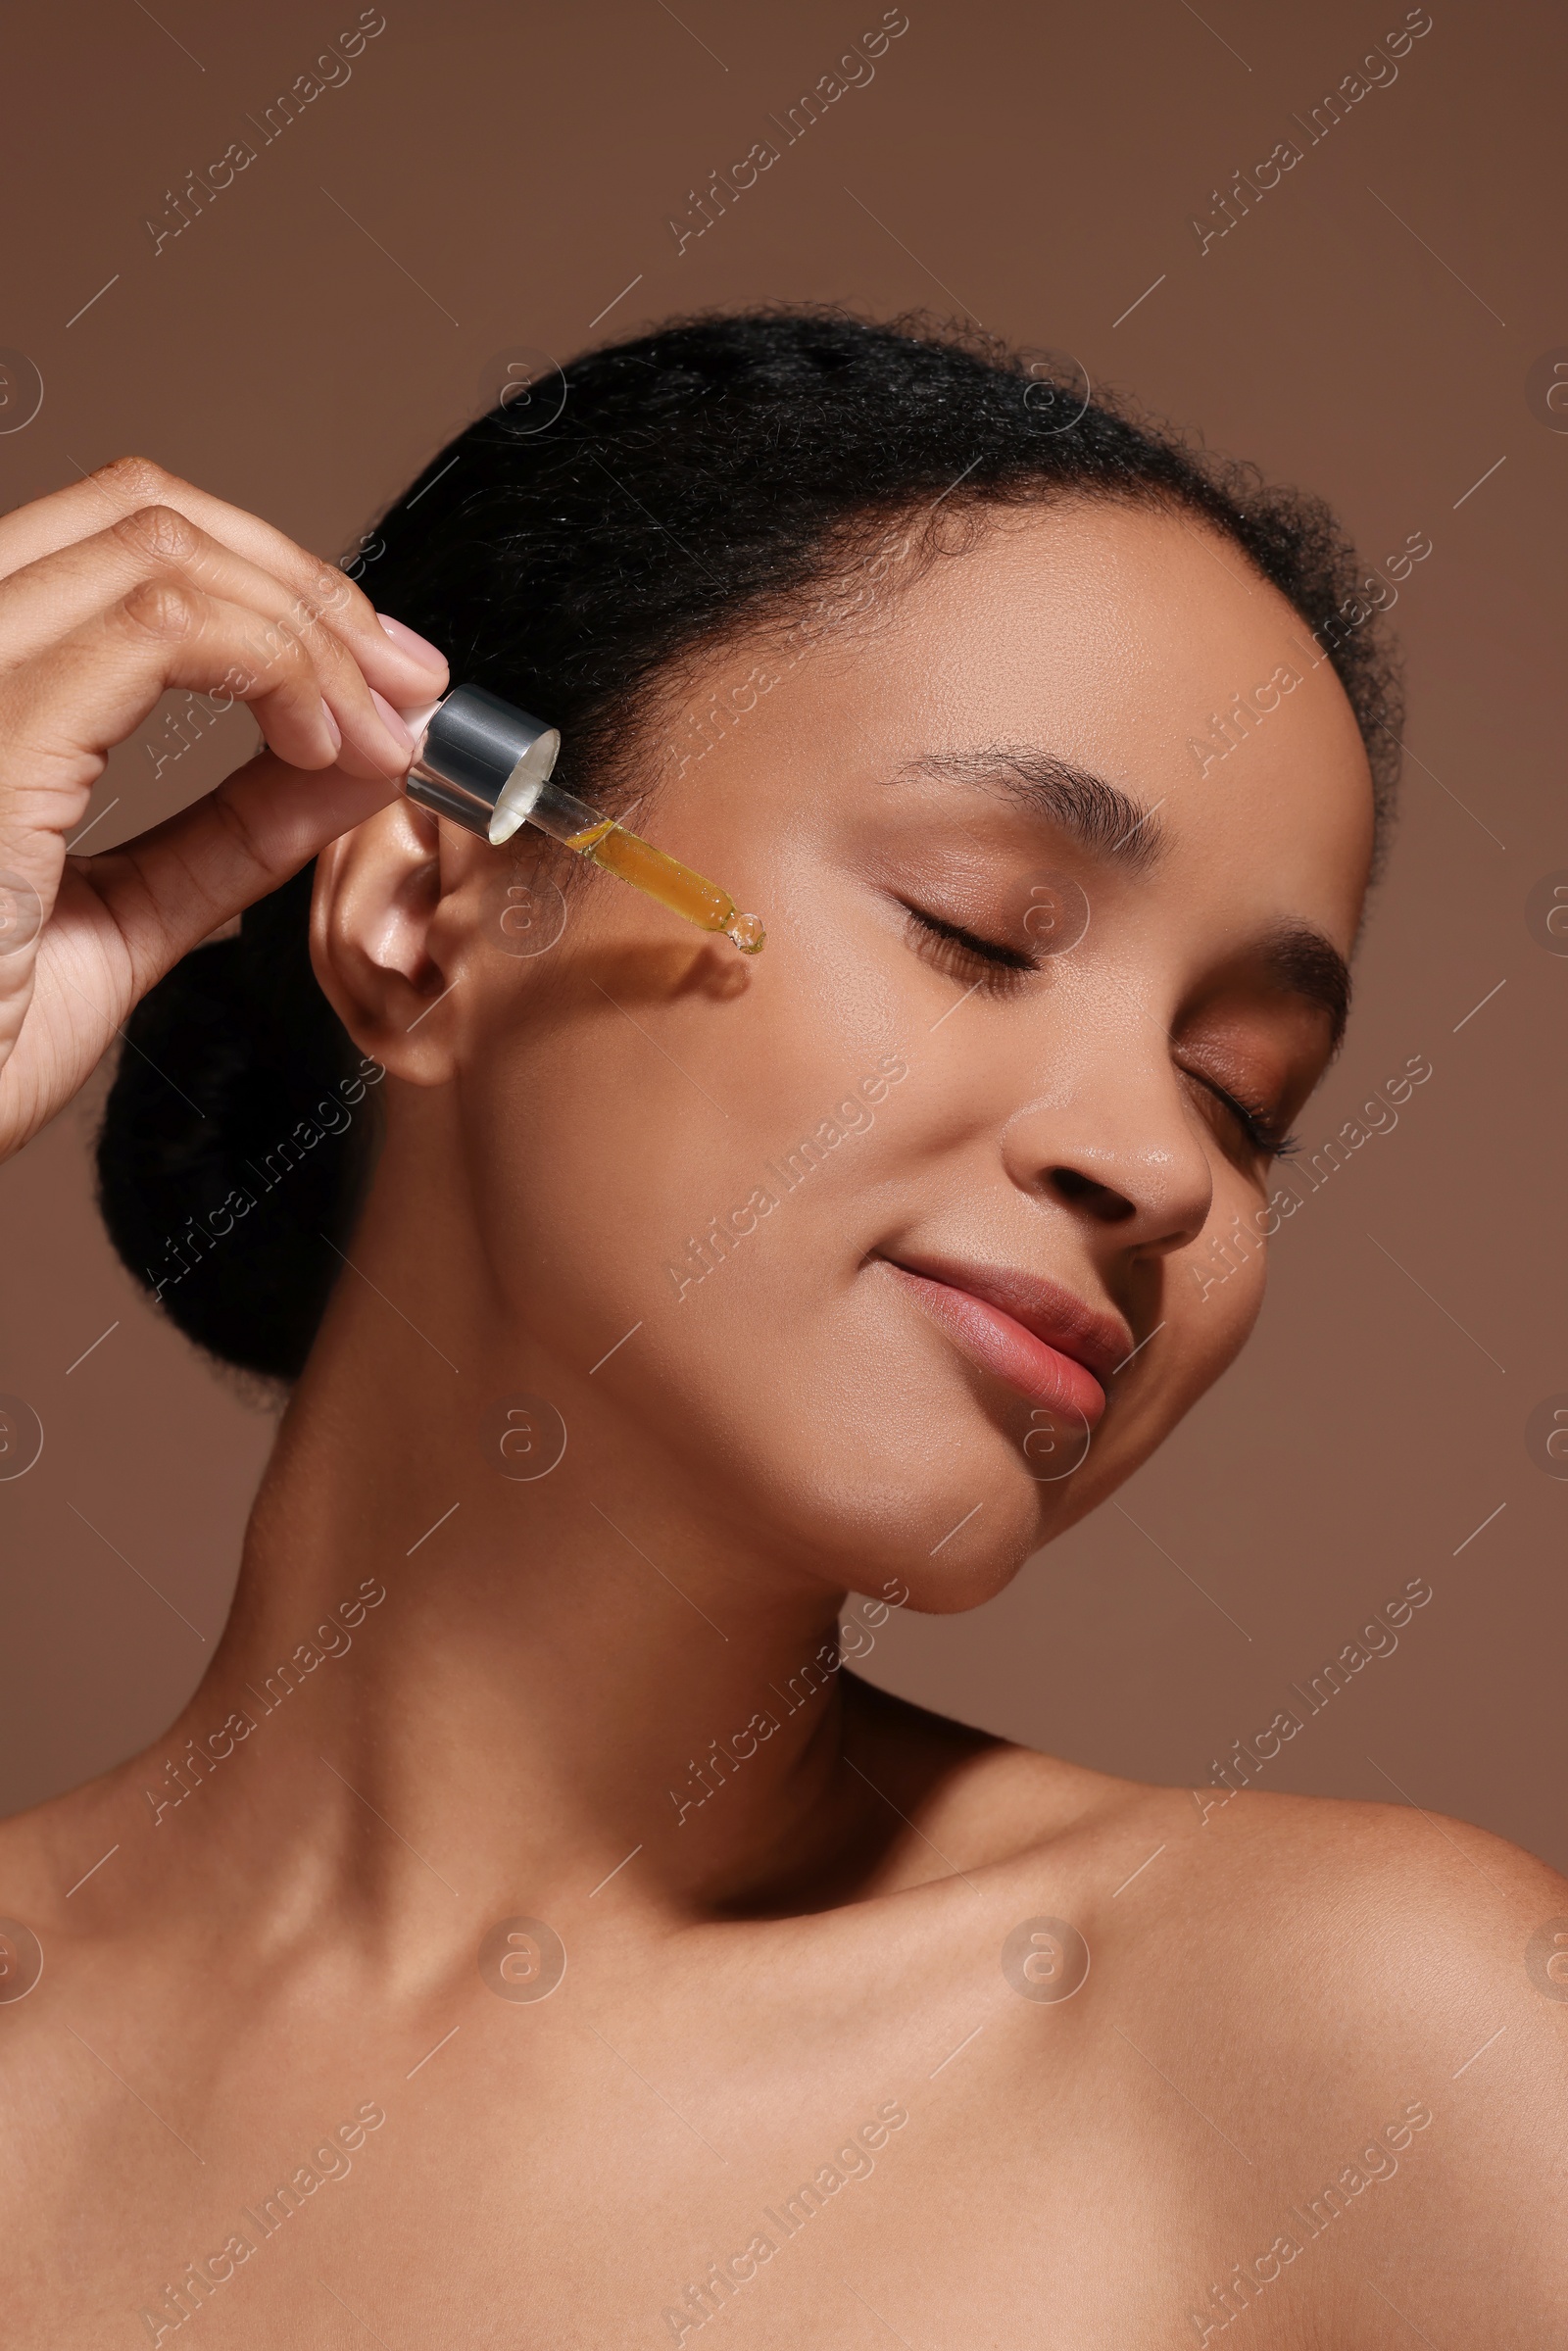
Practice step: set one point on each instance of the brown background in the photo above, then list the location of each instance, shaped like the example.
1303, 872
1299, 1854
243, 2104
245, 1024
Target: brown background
499, 177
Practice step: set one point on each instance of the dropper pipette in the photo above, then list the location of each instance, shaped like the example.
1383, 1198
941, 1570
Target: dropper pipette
487, 764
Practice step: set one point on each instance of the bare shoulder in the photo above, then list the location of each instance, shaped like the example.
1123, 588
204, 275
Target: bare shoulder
1377, 1992
52, 1857
1330, 1982
1401, 1918
44, 1850
1303, 1931
1342, 1992
1324, 1918
1352, 1889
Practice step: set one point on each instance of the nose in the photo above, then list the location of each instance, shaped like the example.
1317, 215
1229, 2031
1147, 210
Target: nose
1116, 1144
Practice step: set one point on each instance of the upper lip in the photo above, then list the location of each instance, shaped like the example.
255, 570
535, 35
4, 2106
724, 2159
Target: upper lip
1100, 1342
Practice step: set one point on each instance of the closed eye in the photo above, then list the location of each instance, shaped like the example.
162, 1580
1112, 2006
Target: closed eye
953, 948
950, 948
1261, 1132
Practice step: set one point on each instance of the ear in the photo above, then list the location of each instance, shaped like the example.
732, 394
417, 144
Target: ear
378, 944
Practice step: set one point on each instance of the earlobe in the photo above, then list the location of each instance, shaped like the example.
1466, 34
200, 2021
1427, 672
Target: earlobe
374, 935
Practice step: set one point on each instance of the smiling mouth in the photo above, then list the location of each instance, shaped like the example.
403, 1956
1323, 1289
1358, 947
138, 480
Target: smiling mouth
1039, 1339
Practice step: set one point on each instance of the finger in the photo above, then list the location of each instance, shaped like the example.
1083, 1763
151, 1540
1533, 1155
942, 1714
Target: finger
60, 714
391, 664
174, 886
59, 591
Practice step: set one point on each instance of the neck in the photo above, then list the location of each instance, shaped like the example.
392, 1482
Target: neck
506, 1685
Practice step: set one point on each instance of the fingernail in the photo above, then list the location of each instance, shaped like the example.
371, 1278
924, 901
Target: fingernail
391, 722
333, 728
419, 649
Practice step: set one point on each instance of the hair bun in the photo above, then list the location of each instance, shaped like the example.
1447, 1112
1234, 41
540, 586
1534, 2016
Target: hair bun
235, 1138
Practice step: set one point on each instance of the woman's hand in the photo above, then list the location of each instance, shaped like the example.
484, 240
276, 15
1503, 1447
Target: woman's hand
112, 591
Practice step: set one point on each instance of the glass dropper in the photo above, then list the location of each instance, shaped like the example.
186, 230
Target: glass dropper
486, 764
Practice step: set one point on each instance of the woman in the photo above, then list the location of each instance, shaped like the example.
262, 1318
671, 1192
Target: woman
533, 1932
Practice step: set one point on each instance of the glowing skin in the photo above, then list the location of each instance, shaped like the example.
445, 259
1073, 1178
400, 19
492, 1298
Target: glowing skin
1058, 1124
765, 1950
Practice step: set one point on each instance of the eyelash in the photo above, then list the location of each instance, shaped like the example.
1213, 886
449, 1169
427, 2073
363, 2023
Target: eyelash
942, 942
1262, 1136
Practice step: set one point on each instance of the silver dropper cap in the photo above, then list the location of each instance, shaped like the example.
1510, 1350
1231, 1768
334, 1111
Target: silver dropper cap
479, 761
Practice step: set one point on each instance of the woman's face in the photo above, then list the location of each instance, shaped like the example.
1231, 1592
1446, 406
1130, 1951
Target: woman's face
913, 1212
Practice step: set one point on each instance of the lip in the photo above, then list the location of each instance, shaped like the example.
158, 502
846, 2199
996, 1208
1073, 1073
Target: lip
1027, 1331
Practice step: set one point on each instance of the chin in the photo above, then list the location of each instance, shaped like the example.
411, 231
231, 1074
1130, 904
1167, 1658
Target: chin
929, 1493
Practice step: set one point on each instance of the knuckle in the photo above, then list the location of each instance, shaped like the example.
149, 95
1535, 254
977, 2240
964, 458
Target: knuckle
161, 608
277, 657
160, 532
315, 617
136, 479
284, 650
304, 627
333, 594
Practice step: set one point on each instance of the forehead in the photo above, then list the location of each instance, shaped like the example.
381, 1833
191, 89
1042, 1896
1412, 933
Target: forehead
1139, 645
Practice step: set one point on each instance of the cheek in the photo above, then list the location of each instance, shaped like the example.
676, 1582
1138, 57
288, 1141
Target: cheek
1207, 1314
596, 1159
627, 1130
1214, 1294
1206, 1297
680, 1163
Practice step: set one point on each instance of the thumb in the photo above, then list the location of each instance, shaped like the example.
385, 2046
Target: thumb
170, 887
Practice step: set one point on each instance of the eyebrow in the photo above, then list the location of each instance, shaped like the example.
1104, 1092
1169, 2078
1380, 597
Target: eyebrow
1102, 818
1302, 961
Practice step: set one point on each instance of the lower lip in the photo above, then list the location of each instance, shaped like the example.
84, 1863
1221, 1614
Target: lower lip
999, 1345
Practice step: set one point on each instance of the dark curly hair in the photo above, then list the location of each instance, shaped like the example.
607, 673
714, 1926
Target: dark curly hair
571, 551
